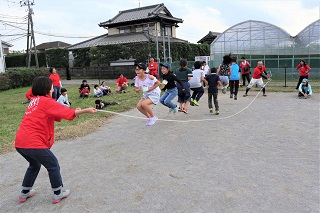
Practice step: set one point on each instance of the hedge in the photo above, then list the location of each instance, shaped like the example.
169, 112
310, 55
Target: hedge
20, 77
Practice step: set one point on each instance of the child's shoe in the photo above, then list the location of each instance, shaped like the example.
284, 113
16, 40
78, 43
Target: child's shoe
211, 110
231, 96
217, 112
63, 194
175, 110
23, 197
152, 121
196, 102
235, 97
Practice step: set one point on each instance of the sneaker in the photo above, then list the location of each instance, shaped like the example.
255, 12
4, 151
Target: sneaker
231, 96
217, 112
171, 110
185, 110
175, 110
245, 95
305, 96
23, 197
235, 97
148, 121
211, 110
195, 102
64, 194
264, 95
152, 121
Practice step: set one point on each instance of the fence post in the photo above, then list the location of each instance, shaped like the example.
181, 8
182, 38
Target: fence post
285, 76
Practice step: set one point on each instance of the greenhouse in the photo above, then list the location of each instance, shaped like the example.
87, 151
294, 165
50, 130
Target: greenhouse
280, 52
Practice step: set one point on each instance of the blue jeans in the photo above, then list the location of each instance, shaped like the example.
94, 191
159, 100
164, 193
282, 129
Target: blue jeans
36, 158
167, 97
56, 92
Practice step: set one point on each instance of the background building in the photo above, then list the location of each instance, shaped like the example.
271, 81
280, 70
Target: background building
279, 51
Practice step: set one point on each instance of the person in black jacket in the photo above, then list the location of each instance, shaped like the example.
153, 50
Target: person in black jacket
170, 88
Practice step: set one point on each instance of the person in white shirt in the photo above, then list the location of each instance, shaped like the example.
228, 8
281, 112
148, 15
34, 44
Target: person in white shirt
205, 68
63, 98
196, 84
97, 91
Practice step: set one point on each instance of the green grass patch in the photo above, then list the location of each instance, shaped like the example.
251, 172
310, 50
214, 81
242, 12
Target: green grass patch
12, 111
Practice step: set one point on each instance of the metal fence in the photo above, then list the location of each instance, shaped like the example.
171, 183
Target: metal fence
280, 68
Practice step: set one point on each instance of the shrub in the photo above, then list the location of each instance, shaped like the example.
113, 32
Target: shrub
4, 82
21, 77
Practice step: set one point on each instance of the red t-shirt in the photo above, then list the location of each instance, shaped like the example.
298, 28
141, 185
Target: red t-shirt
243, 66
55, 79
120, 81
29, 94
153, 67
36, 130
258, 71
304, 70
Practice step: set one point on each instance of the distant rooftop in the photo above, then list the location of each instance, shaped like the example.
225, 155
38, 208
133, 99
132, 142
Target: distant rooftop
153, 12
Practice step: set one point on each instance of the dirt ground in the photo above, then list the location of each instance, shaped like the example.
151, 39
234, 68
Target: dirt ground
258, 155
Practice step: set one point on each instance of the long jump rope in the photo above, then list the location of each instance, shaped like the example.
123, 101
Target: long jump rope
186, 121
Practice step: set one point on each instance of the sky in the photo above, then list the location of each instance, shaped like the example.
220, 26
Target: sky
74, 21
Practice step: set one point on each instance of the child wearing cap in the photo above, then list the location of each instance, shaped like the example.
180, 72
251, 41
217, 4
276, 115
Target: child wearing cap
63, 98
170, 88
151, 92
304, 89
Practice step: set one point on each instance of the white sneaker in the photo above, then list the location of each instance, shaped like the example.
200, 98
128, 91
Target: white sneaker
64, 194
152, 121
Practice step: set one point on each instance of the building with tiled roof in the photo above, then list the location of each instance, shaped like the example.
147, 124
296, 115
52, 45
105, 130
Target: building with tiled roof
143, 24
51, 45
209, 38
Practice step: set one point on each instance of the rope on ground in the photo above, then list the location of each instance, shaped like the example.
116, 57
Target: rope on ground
187, 121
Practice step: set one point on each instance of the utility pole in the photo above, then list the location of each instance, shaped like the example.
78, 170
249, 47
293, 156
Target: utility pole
30, 25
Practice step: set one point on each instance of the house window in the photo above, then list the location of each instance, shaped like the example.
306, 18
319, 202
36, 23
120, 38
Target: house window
125, 30
167, 30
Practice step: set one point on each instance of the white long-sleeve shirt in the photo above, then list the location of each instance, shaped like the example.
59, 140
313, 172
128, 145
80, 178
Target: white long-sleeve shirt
63, 99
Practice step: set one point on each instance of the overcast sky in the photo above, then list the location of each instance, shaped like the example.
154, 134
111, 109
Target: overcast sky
80, 18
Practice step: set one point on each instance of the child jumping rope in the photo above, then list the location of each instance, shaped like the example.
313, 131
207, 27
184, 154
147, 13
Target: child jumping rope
151, 92
170, 88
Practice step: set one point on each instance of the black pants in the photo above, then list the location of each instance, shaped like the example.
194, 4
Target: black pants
234, 84
300, 80
197, 93
244, 77
215, 100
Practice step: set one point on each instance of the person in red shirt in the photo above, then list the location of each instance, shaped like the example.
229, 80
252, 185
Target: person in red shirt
153, 68
258, 73
245, 70
304, 69
122, 84
56, 82
35, 137
29, 95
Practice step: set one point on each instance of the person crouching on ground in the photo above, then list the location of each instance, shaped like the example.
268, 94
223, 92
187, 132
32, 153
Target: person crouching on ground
63, 99
304, 89
35, 137
97, 91
169, 88
151, 92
